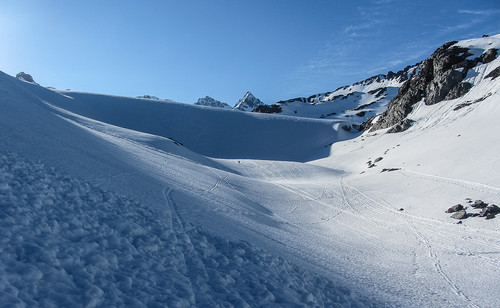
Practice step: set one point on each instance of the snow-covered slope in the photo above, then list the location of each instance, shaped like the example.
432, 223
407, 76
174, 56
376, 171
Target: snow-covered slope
108, 200
248, 102
355, 103
210, 102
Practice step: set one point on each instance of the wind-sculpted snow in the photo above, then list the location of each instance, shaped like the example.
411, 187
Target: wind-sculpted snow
65, 242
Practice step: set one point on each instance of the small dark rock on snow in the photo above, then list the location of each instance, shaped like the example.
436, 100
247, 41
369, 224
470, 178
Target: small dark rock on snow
455, 208
479, 204
459, 215
390, 169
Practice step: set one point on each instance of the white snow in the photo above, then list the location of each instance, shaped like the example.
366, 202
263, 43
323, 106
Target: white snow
113, 201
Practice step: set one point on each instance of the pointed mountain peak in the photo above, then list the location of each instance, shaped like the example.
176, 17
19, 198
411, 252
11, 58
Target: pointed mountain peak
248, 102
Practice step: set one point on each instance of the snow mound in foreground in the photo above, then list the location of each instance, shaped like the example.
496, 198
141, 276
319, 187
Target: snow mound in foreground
65, 242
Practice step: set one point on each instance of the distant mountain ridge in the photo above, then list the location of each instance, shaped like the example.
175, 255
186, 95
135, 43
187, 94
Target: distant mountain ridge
211, 102
352, 104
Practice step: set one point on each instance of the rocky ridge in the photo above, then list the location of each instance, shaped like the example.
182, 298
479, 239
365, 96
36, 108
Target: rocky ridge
351, 103
440, 77
211, 102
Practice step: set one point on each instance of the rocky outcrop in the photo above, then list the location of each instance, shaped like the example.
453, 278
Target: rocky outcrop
248, 102
494, 73
25, 77
439, 78
268, 109
147, 96
211, 102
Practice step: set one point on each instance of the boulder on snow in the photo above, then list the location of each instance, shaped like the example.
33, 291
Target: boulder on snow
455, 208
490, 211
479, 204
459, 215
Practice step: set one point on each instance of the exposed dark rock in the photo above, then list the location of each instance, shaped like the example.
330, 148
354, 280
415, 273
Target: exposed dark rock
365, 105
468, 103
459, 215
455, 208
401, 126
176, 142
378, 159
489, 55
459, 222
268, 109
378, 92
326, 116
347, 128
479, 204
494, 73
356, 127
440, 74
490, 211
459, 90
390, 169
401, 209
441, 85
25, 77
148, 97
361, 113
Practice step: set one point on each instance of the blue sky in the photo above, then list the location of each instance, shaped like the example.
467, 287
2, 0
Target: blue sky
183, 50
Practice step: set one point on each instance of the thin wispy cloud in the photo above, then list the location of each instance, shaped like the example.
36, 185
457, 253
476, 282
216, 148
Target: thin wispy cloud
480, 12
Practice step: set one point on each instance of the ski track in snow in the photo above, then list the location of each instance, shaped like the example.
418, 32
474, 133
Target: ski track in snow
463, 183
72, 244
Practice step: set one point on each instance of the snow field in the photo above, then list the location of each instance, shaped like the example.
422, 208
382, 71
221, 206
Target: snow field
65, 242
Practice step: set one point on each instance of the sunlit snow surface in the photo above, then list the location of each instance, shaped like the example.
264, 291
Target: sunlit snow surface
101, 205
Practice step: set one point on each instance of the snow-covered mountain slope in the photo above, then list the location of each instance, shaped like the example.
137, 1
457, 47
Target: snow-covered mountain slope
248, 102
96, 215
356, 102
212, 132
101, 205
449, 73
211, 102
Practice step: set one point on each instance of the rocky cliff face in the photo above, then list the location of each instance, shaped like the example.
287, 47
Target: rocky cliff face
248, 103
211, 102
440, 77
